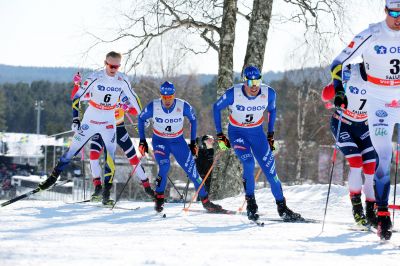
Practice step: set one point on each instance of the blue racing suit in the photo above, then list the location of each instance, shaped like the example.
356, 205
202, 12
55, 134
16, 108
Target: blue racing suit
246, 133
168, 138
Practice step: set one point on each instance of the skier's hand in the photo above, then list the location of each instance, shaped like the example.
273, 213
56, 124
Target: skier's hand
223, 142
76, 124
143, 147
193, 147
270, 137
340, 100
77, 78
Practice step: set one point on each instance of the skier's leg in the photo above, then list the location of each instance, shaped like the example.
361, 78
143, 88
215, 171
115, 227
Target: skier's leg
96, 147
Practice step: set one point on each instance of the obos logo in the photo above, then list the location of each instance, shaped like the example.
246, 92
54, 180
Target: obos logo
380, 49
381, 113
354, 90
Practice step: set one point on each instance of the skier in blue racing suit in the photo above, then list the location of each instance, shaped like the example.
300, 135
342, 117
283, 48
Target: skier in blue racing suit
168, 115
247, 103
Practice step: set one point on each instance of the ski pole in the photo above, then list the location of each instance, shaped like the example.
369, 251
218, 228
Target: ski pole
186, 192
180, 195
204, 180
83, 171
126, 183
396, 171
333, 160
255, 180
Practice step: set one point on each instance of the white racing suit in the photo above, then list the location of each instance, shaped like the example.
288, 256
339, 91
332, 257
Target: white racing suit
379, 47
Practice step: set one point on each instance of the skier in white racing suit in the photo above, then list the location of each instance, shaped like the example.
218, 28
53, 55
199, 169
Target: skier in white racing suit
379, 47
105, 88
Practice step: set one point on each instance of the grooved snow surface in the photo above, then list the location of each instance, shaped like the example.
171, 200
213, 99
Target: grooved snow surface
54, 233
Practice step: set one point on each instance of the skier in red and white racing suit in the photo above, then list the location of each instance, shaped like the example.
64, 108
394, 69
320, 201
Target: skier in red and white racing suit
105, 88
379, 47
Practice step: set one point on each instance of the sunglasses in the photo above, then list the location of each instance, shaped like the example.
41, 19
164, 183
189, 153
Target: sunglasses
113, 66
392, 13
168, 97
253, 82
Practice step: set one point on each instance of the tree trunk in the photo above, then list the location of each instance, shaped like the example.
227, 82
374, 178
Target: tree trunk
226, 177
258, 33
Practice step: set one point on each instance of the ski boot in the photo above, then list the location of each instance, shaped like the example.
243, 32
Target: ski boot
51, 180
96, 196
384, 223
358, 211
106, 194
287, 214
159, 202
252, 208
209, 206
147, 188
370, 213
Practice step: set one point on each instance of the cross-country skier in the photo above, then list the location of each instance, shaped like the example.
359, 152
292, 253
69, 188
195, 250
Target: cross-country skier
247, 103
123, 140
380, 49
105, 88
355, 143
167, 114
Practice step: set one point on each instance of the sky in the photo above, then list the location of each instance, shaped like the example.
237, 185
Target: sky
54, 33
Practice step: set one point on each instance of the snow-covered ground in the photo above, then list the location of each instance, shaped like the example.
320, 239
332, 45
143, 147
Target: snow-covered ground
54, 233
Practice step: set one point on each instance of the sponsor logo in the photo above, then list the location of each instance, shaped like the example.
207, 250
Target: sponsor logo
365, 135
380, 131
85, 83
393, 104
161, 147
250, 108
344, 136
109, 126
77, 137
263, 96
381, 120
346, 74
85, 127
168, 120
380, 49
239, 141
103, 88
113, 139
266, 155
246, 156
351, 45
164, 161
124, 138
381, 113
97, 122
354, 90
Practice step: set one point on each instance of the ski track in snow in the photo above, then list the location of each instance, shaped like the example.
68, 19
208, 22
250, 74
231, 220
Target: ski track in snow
36, 232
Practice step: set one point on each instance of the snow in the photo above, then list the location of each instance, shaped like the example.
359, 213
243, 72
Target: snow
36, 232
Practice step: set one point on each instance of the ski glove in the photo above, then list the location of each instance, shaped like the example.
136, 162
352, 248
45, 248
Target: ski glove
77, 78
270, 137
143, 147
223, 142
193, 147
76, 124
340, 100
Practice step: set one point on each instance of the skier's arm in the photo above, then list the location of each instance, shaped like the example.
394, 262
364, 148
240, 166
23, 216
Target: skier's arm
223, 102
271, 109
85, 88
189, 112
146, 113
129, 97
353, 50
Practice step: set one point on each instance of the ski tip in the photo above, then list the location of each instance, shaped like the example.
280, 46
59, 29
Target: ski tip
164, 215
185, 209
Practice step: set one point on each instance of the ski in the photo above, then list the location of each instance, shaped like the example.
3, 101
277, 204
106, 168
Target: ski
117, 207
161, 214
80, 201
303, 220
257, 222
30, 193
